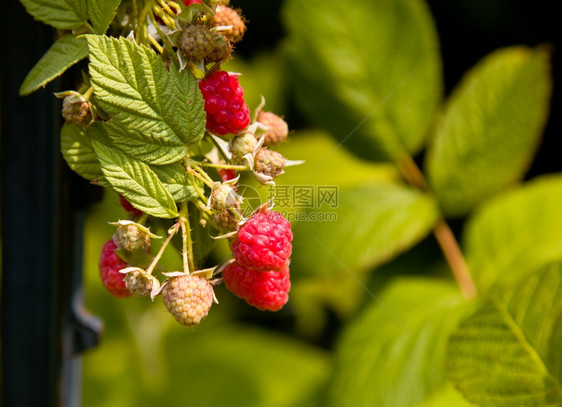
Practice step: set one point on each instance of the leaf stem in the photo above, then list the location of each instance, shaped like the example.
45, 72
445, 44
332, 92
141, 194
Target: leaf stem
171, 232
88, 93
442, 232
141, 32
187, 251
143, 218
455, 258
197, 189
411, 172
90, 28
226, 166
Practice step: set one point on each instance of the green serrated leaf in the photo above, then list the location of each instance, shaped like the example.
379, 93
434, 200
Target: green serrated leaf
77, 150
503, 354
515, 234
393, 355
101, 13
491, 128
156, 113
175, 180
135, 181
379, 82
62, 14
65, 52
366, 226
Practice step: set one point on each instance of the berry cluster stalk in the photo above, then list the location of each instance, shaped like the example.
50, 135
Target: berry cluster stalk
442, 232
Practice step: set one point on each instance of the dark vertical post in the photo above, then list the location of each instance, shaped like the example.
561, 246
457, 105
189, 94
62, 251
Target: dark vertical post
43, 325
30, 352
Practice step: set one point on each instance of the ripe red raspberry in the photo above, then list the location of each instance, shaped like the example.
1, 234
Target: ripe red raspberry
188, 298
128, 207
265, 290
227, 174
278, 128
110, 264
225, 16
263, 242
190, 2
224, 104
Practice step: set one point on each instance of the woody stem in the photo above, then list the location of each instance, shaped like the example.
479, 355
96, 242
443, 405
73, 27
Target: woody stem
442, 232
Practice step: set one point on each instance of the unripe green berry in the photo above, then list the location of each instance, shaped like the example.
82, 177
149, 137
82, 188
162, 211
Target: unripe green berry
220, 53
241, 145
131, 237
224, 196
196, 42
188, 298
226, 220
226, 16
138, 284
278, 128
269, 162
76, 111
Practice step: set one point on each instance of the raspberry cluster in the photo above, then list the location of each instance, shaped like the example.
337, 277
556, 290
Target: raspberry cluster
260, 272
198, 36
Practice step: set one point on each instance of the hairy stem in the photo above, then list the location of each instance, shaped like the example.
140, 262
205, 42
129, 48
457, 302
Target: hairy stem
187, 251
455, 258
442, 232
226, 166
171, 232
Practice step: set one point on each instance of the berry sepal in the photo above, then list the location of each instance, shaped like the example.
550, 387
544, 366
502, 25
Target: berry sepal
140, 283
138, 225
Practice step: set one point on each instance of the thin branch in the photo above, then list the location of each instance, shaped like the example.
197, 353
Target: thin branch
455, 259
442, 232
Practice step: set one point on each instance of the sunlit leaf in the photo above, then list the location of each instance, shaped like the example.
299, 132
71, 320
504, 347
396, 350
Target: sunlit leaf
77, 150
368, 72
515, 233
504, 354
491, 128
360, 227
156, 113
62, 14
65, 52
393, 355
135, 181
